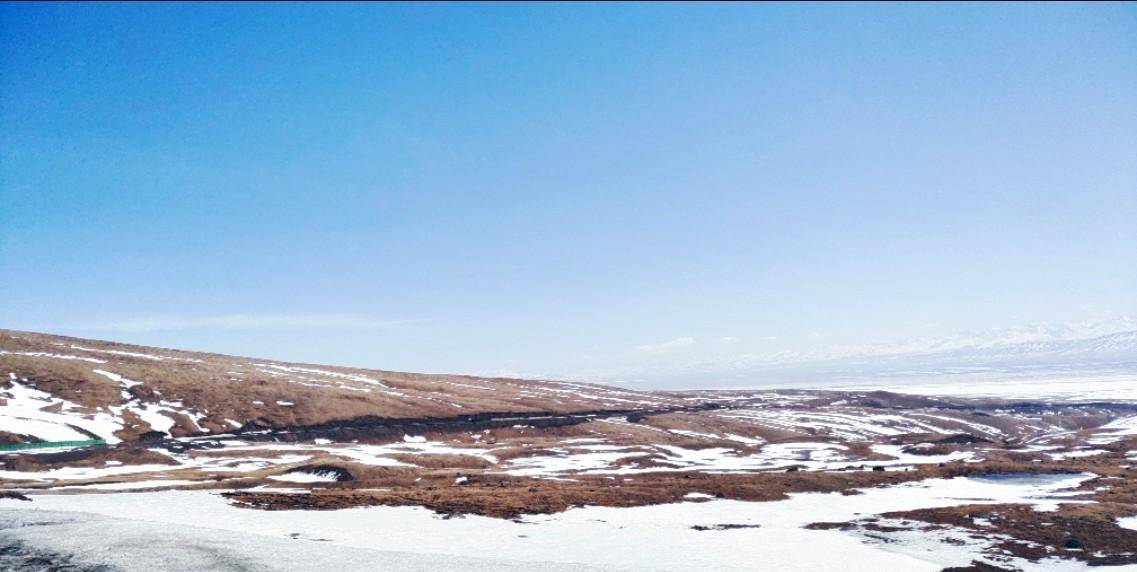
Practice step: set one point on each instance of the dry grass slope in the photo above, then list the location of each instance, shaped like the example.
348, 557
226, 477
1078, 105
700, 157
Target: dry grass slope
223, 392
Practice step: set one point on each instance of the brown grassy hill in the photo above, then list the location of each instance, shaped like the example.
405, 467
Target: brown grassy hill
89, 385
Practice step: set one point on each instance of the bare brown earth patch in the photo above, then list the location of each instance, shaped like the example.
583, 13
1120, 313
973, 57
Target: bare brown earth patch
90, 457
1084, 527
1087, 532
504, 496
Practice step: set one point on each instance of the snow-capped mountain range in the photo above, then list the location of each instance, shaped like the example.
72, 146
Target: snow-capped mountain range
1070, 348
1102, 337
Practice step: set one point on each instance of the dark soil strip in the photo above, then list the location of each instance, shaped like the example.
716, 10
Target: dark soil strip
386, 427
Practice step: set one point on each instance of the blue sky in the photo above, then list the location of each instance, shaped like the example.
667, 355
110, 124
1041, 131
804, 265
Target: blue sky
560, 188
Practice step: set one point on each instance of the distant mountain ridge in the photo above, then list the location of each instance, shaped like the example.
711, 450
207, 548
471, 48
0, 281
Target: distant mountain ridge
1112, 336
1104, 345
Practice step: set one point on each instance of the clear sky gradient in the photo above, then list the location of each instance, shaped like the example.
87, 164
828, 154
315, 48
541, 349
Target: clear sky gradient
559, 188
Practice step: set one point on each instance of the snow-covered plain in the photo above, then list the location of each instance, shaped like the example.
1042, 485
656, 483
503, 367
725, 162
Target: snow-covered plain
30, 540
657, 537
1076, 386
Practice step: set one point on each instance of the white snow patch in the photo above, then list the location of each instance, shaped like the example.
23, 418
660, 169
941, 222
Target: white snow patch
1114, 431
83, 473
1076, 454
127, 486
301, 477
126, 383
23, 414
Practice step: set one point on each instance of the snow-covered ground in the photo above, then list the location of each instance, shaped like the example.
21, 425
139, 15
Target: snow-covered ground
1115, 431
1103, 387
188, 525
599, 459
29, 411
29, 540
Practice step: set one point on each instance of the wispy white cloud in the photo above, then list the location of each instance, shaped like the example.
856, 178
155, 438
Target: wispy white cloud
240, 322
677, 343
